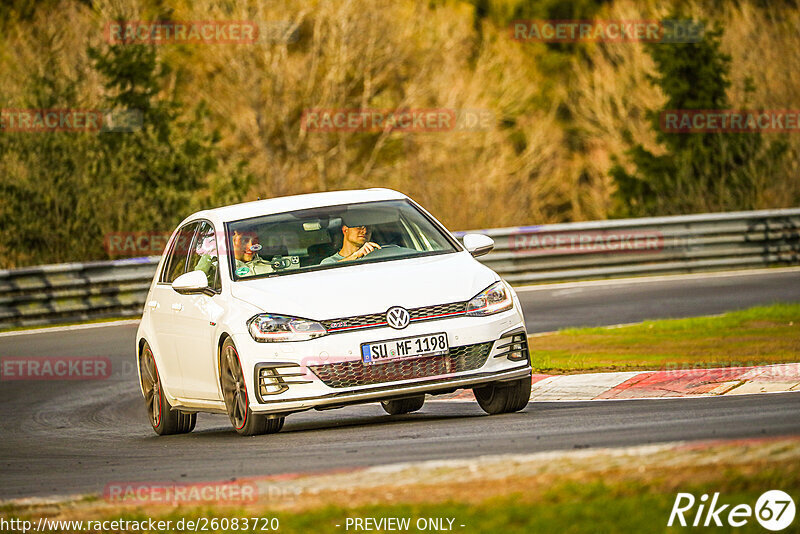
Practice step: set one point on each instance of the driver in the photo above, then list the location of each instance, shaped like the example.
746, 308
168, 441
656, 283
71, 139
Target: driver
356, 245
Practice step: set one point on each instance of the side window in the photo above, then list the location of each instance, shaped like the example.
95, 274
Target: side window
176, 262
204, 257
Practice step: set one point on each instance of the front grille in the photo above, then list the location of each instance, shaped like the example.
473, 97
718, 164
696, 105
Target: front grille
375, 320
355, 373
352, 323
435, 312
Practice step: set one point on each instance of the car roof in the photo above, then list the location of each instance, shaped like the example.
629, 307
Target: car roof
269, 206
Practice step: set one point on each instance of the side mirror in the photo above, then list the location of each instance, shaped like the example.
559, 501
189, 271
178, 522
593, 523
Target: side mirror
478, 244
192, 283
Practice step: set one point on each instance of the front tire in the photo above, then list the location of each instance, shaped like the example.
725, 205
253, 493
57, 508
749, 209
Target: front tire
401, 406
504, 397
163, 418
234, 391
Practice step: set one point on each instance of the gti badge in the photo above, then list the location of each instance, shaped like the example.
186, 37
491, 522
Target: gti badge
398, 318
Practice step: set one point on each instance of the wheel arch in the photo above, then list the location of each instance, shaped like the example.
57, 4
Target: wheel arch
139, 347
220, 341
156, 359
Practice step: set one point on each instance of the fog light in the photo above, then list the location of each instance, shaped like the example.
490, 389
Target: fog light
270, 382
273, 378
513, 347
516, 356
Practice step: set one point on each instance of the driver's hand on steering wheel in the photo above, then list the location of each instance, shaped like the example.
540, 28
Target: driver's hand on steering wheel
365, 249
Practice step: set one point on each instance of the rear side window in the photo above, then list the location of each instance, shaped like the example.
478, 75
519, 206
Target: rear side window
175, 265
204, 254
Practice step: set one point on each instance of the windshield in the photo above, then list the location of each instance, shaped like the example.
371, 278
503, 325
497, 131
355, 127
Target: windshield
332, 237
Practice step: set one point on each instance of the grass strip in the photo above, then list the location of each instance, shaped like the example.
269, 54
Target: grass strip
756, 336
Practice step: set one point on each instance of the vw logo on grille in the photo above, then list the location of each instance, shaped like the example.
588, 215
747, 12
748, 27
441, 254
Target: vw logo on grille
398, 318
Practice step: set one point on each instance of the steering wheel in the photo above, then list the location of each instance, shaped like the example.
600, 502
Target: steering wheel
388, 251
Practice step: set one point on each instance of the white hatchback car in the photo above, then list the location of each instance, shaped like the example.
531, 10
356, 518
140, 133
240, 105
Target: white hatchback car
262, 309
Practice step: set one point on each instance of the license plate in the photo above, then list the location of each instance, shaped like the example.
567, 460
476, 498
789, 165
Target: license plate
407, 347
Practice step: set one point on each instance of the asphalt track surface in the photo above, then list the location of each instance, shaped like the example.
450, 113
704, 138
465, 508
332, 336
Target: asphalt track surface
599, 303
67, 437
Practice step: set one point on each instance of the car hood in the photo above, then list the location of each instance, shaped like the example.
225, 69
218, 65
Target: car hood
368, 288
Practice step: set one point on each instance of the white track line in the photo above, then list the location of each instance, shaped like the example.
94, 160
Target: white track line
649, 279
45, 330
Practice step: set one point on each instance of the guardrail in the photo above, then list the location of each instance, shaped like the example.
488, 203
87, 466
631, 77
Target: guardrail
652, 245
522, 255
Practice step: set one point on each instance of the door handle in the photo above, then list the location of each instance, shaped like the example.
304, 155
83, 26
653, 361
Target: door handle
177, 306
153, 304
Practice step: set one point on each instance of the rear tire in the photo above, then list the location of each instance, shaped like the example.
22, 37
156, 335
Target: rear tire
504, 397
401, 406
234, 391
164, 419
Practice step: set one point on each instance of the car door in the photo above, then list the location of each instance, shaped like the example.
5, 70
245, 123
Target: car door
162, 307
195, 319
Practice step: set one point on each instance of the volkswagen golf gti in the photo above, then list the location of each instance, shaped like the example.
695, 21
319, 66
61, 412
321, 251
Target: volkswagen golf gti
263, 309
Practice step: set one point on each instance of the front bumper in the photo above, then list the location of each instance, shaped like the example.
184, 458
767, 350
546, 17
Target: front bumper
303, 360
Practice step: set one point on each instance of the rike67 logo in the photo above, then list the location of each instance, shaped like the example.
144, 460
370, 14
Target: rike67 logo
774, 510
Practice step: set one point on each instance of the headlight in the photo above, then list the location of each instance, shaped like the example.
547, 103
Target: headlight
495, 299
269, 328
